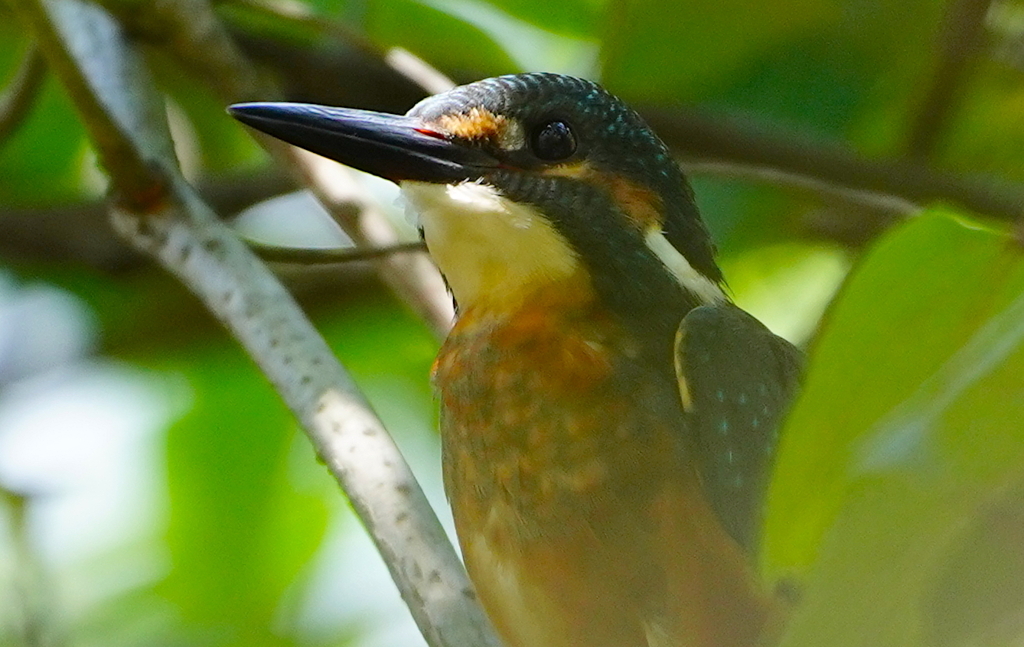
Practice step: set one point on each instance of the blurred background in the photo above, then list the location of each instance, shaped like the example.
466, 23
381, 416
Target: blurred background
155, 491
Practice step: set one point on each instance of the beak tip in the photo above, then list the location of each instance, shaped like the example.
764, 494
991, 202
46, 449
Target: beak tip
247, 113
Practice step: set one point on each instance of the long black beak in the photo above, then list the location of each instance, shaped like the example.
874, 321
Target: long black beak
391, 146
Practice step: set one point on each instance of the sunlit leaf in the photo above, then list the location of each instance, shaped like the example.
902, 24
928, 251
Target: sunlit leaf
787, 287
907, 433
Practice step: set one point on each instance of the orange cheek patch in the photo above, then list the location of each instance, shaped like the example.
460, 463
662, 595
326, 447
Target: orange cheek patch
641, 205
478, 124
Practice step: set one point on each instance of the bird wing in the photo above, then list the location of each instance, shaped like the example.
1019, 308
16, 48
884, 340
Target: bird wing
736, 379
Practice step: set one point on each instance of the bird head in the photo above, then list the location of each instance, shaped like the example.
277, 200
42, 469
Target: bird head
525, 182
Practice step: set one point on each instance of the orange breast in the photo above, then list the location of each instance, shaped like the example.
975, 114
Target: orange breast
579, 515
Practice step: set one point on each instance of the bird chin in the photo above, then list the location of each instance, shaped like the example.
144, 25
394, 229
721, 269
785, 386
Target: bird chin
487, 246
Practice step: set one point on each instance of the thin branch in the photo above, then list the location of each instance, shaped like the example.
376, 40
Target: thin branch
405, 63
413, 277
960, 40
324, 256
300, 67
179, 230
743, 142
91, 75
698, 135
33, 594
19, 95
417, 70
195, 37
70, 234
863, 198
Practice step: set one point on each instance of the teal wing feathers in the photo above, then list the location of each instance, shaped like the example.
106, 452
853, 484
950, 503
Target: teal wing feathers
736, 380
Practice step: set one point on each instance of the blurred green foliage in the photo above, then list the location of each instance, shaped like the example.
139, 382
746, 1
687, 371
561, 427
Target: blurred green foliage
907, 433
897, 502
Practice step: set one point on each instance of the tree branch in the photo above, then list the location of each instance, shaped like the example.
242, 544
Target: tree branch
863, 198
113, 93
959, 42
406, 64
19, 95
739, 141
34, 597
322, 256
693, 133
69, 234
193, 35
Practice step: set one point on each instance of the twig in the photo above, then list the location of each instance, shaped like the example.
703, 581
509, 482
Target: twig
728, 138
417, 70
196, 38
738, 141
959, 42
32, 594
70, 234
412, 276
185, 236
407, 64
19, 95
318, 256
868, 199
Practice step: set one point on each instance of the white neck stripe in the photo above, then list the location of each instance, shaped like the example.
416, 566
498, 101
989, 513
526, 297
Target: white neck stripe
692, 280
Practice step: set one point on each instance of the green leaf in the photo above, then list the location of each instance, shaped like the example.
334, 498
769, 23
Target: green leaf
786, 286
662, 50
906, 434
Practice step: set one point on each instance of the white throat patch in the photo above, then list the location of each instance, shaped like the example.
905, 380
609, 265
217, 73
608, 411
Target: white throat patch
488, 247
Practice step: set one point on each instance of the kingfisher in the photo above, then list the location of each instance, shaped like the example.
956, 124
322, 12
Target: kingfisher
608, 416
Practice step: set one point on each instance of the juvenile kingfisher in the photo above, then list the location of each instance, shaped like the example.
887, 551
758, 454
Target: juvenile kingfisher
608, 416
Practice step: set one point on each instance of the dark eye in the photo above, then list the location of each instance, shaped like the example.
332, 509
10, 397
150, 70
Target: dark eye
553, 141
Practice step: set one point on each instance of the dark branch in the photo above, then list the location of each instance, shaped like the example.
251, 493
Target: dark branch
78, 233
960, 41
321, 256
120, 107
410, 67
19, 95
726, 139
734, 140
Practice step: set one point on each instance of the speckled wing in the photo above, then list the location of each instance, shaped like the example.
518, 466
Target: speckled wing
736, 379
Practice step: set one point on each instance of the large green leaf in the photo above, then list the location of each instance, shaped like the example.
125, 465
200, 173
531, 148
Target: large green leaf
907, 434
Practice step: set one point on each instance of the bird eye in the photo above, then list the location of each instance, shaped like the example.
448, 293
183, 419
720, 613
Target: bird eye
553, 141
